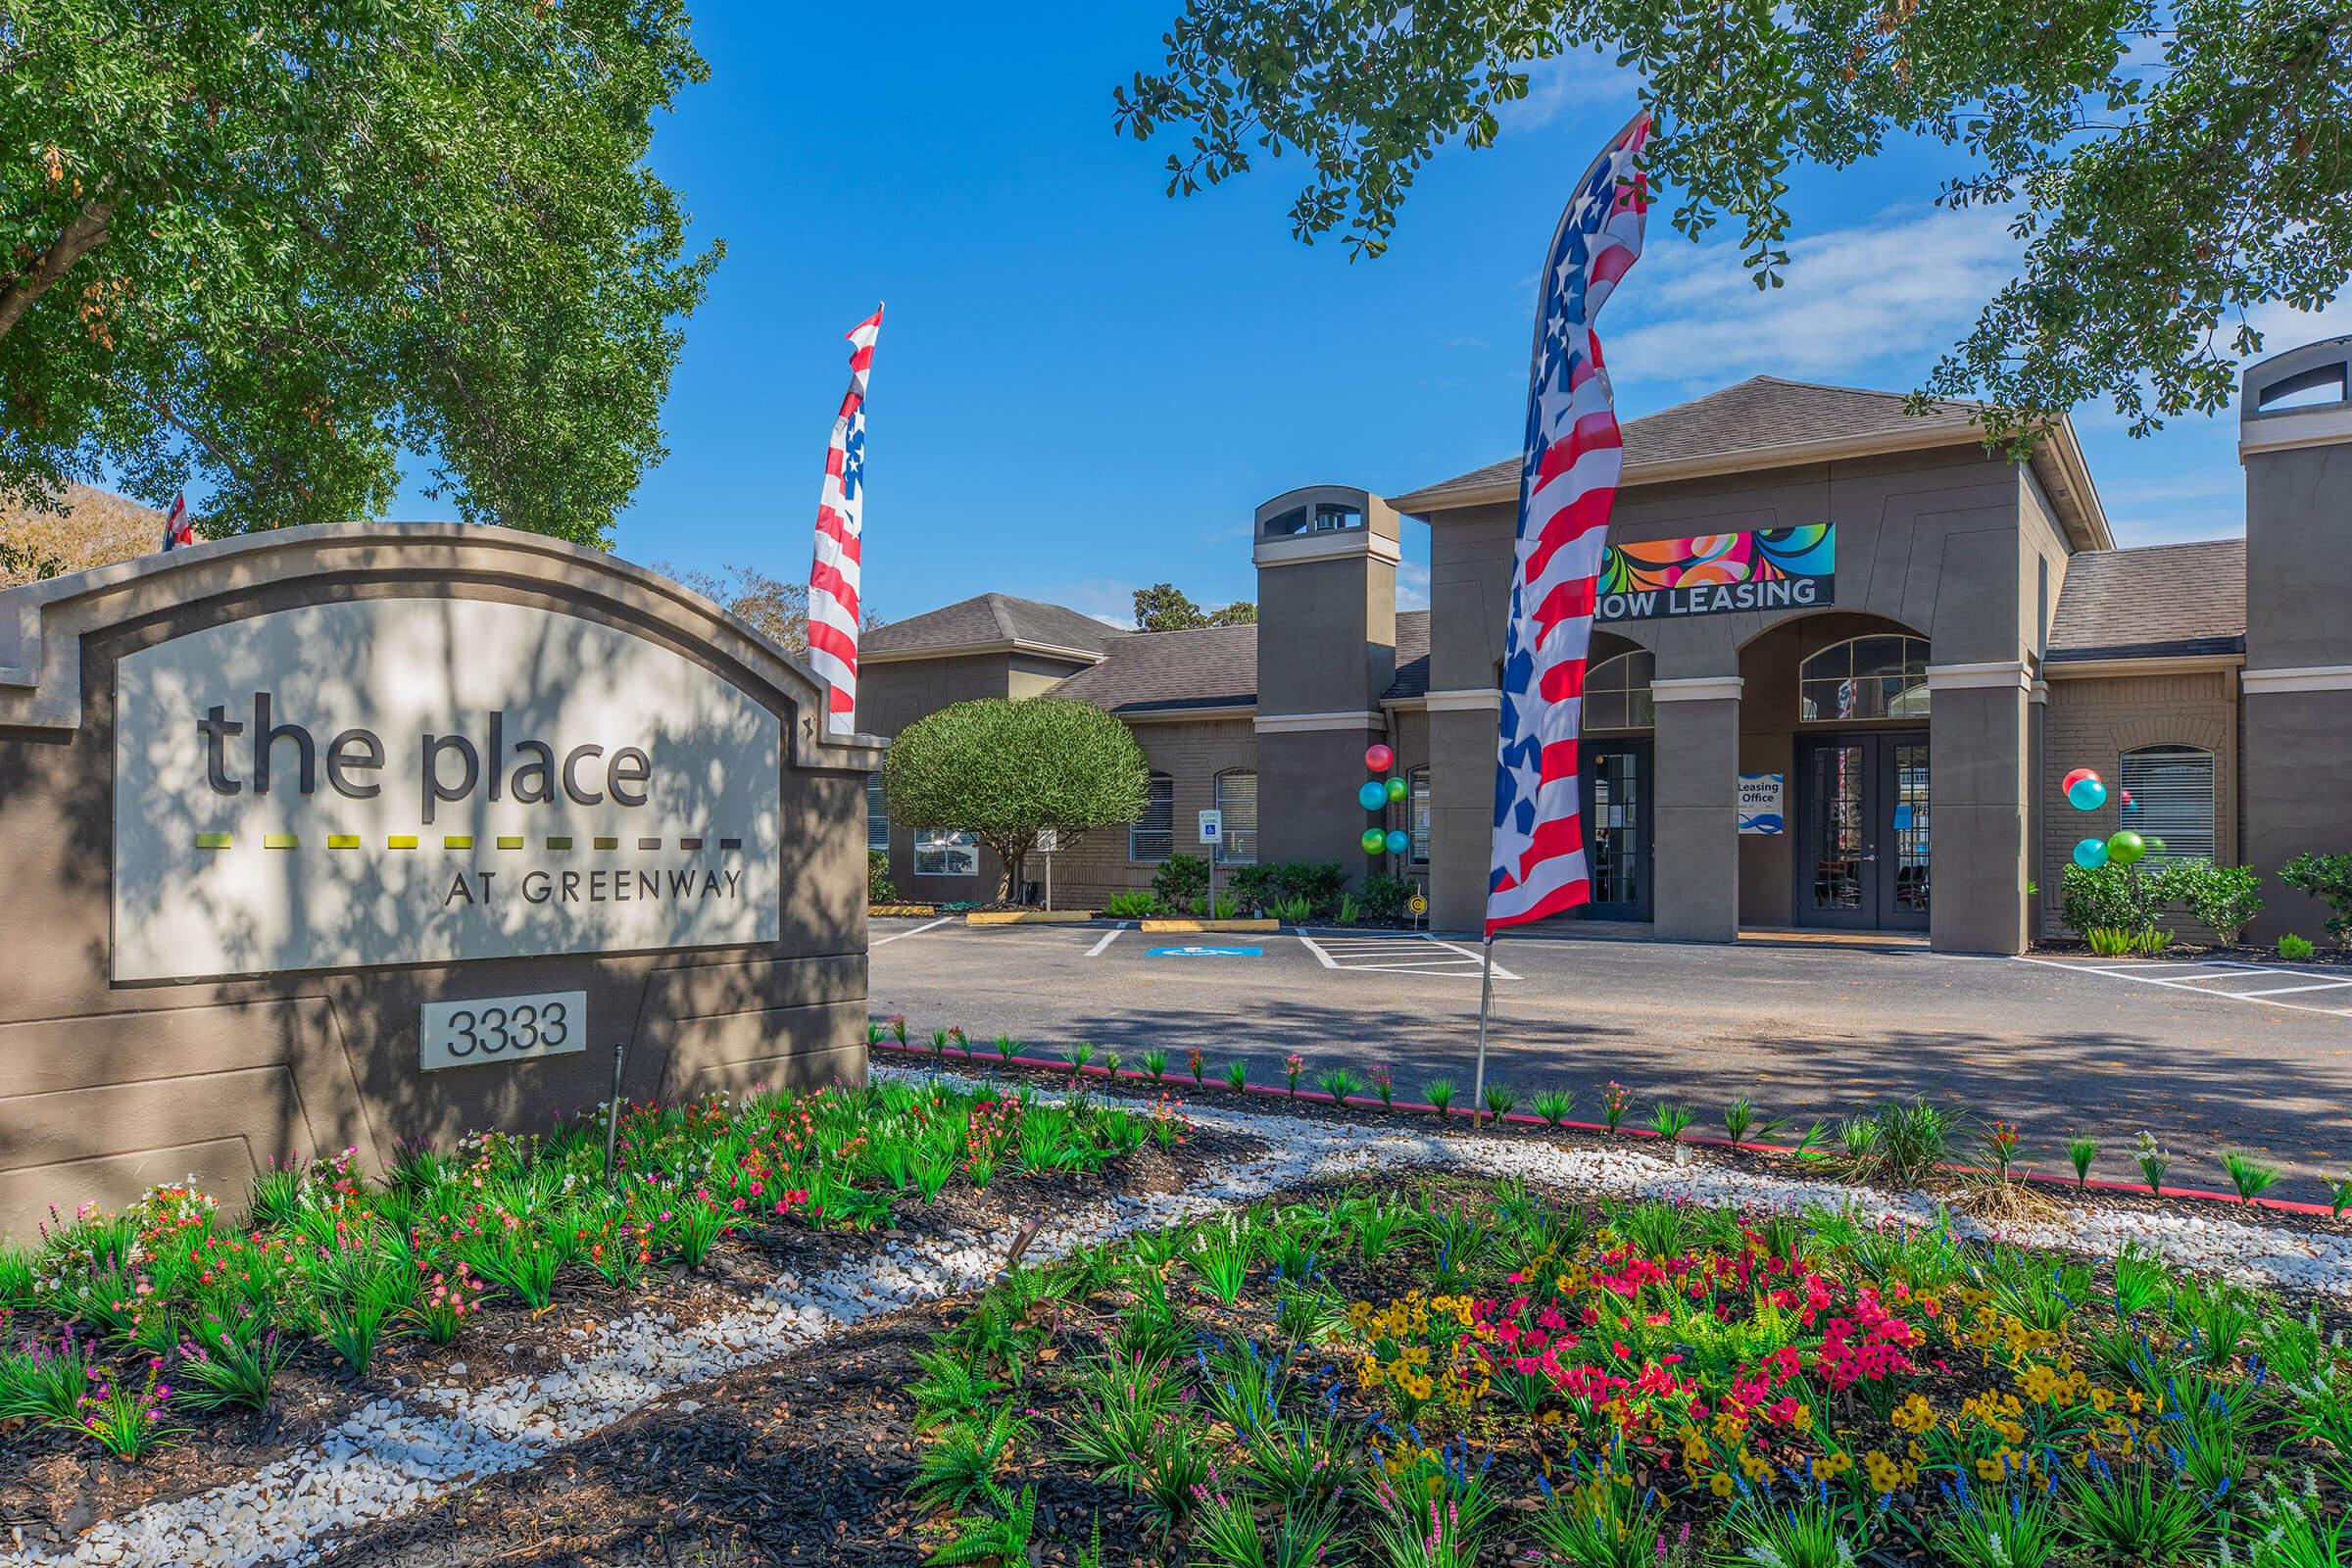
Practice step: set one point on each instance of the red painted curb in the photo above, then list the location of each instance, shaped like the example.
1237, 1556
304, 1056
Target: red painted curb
1370, 1101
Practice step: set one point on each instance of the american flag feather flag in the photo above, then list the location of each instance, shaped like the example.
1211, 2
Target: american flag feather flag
178, 530
1567, 484
840, 523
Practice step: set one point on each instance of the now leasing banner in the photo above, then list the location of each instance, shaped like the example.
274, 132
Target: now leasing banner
1714, 573
385, 781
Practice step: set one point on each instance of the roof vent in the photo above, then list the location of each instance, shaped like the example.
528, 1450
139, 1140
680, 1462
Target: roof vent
2302, 398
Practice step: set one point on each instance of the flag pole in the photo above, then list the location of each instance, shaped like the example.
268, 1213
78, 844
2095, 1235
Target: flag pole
1486, 1004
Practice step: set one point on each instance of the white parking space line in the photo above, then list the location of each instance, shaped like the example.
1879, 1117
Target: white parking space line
895, 936
1108, 937
2209, 977
1400, 955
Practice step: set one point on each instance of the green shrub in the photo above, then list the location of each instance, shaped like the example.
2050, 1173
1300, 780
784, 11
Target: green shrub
1130, 905
2118, 942
1180, 880
1317, 882
2225, 898
2295, 949
1384, 897
879, 889
2113, 897
2326, 878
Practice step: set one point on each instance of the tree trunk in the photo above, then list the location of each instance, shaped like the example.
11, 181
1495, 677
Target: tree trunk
85, 233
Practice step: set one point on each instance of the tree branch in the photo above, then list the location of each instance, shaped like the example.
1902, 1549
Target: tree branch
84, 234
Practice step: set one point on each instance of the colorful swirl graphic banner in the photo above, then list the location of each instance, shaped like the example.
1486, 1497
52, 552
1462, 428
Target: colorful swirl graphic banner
1764, 568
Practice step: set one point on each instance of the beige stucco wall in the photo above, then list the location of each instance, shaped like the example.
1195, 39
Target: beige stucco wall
107, 1087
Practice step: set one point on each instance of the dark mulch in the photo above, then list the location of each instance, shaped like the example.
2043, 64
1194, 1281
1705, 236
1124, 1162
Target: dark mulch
54, 1485
2075, 948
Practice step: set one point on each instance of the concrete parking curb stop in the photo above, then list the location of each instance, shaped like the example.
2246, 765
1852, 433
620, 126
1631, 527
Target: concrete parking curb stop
1211, 925
1029, 918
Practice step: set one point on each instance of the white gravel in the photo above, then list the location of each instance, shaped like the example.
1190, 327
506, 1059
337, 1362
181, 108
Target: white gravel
398, 1454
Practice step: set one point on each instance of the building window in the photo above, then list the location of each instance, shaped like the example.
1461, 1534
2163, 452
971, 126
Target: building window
1237, 799
1331, 516
1867, 677
1617, 692
940, 852
1287, 522
2171, 800
1152, 837
1417, 814
877, 815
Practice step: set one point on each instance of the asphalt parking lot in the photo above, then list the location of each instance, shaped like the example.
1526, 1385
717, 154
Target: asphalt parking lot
2209, 1057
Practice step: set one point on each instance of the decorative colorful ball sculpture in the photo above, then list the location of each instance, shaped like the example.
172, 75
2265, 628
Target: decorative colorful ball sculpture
1374, 840
1372, 796
1398, 840
1379, 758
2086, 793
1396, 789
2127, 848
2090, 853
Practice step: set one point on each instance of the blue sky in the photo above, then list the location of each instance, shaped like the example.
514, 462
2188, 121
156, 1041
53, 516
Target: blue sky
1083, 385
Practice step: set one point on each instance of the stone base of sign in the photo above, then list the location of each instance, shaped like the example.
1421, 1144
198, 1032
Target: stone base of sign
294, 948
1028, 918
1211, 925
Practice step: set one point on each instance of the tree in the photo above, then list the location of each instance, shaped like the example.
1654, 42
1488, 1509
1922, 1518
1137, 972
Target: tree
776, 609
1164, 607
271, 245
1006, 771
2168, 168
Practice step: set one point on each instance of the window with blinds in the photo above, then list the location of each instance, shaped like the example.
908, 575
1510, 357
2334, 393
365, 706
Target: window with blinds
1419, 819
1153, 835
2171, 800
1237, 799
877, 815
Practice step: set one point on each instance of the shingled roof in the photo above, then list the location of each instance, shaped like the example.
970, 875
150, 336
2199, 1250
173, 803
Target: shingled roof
1766, 421
986, 620
1756, 414
1214, 667
2153, 602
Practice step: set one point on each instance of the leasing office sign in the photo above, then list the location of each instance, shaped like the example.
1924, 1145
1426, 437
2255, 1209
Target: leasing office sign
1712, 575
385, 781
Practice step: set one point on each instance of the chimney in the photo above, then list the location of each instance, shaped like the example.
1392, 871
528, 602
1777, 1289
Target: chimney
2295, 441
1326, 559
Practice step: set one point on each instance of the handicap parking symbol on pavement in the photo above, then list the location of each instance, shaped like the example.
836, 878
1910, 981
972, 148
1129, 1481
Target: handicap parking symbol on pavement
1197, 952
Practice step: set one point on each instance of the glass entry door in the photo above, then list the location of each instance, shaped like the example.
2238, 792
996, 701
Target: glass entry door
1617, 831
1863, 824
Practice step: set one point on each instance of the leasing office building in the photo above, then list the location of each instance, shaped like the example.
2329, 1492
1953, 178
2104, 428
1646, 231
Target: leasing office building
1842, 659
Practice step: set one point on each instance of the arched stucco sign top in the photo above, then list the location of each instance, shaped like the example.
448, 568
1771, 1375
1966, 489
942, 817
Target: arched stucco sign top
480, 756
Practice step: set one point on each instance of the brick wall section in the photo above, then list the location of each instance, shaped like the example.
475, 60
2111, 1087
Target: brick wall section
1193, 752
2091, 723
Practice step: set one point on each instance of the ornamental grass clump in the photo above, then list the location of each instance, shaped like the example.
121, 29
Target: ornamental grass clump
1338, 1083
2082, 1153
1554, 1105
2249, 1176
1669, 1121
1440, 1094
1500, 1100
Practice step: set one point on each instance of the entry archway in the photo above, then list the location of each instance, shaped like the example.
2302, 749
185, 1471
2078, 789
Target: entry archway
1835, 705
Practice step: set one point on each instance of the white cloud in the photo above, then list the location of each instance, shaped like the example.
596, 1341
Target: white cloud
1567, 83
1106, 600
1413, 585
1867, 303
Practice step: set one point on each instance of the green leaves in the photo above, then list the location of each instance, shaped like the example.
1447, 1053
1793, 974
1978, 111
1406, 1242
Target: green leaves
1006, 770
2168, 172
275, 246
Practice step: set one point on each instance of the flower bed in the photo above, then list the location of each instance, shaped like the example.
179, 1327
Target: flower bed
128, 1327
1478, 1371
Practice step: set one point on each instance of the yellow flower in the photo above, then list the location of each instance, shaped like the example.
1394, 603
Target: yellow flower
1721, 1484
1988, 1470
1756, 1469
1913, 1415
1834, 1465
1883, 1472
